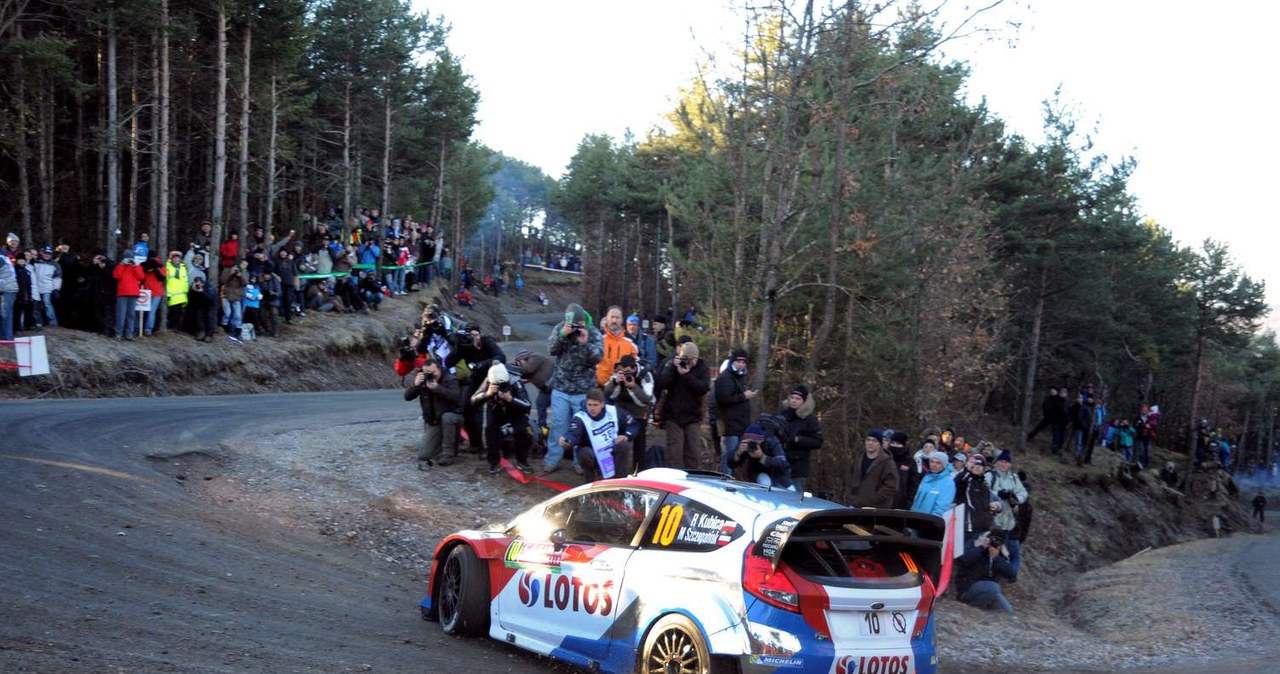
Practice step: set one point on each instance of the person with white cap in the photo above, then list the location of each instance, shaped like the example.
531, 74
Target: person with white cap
937, 491
8, 288
502, 406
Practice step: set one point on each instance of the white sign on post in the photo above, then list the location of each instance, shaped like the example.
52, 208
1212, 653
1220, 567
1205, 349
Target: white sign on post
32, 357
144, 300
506, 332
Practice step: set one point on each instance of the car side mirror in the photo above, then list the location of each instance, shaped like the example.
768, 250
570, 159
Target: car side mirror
558, 539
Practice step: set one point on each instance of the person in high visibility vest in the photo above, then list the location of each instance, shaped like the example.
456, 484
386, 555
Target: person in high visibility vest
176, 284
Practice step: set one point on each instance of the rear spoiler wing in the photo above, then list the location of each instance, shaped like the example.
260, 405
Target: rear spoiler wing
910, 530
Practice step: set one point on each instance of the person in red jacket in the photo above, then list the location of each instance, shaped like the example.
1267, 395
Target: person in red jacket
153, 275
229, 251
128, 277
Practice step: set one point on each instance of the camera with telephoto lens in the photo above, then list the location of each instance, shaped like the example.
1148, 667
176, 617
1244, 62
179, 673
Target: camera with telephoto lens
682, 361
406, 351
504, 387
1008, 495
577, 331
429, 376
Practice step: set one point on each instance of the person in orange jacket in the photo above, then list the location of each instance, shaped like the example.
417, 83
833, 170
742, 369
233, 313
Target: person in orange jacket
153, 277
616, 344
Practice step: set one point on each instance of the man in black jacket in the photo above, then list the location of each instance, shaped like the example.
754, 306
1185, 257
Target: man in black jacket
685, 379
441, 398
478, 352
804, 434
1053, 414
733, 406
979, 572
973, 492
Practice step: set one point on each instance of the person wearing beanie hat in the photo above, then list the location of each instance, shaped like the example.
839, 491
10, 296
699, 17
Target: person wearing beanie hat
646, 348
936, 493
763, 458
686, 379
958, 461
664, 340
872, 479
1007, 488
803, 433
602, 438
630, 389
535, 369
896, 447
501, 406
979, 502
440, 395
733, 396
48, 280
577, 347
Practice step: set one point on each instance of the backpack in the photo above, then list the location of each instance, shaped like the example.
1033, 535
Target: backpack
775, 425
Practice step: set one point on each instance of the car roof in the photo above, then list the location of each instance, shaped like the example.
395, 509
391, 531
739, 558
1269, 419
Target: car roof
719, 490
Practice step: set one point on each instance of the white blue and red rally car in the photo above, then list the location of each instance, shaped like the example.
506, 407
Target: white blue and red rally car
673, 571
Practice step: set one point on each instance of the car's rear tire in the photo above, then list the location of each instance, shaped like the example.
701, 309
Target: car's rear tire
462, 594
675, 646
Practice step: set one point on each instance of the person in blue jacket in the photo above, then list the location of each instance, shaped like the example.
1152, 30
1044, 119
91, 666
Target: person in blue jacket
937, 491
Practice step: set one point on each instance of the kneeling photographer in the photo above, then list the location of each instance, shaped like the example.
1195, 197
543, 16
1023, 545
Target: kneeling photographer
979, 572
631, 389
502, 406
440, 395
433, 336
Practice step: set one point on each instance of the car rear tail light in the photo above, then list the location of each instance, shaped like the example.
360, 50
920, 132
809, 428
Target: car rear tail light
927, 594
770, 586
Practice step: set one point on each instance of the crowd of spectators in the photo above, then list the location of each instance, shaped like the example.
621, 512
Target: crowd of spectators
270, 279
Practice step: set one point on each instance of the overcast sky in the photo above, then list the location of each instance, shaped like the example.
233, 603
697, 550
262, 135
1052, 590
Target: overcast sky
1189, 92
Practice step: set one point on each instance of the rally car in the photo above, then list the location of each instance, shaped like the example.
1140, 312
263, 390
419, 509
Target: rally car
691, 572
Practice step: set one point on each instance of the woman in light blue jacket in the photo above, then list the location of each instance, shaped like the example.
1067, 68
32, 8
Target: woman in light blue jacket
937, 490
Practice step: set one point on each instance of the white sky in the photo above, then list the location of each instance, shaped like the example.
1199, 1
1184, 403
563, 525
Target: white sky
1190, 93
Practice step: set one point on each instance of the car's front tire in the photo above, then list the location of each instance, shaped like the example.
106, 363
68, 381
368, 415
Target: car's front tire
675, 646
463, 594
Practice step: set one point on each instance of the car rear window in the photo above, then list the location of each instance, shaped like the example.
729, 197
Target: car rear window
684, 524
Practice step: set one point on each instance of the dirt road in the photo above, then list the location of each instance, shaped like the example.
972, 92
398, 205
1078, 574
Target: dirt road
286, 533
108, 565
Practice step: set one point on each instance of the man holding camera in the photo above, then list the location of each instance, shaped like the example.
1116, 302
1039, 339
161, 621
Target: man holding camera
601, 437
433, 337
631, 390
979, 503
440, 396
979, 572
502, 408
577, 348
764, 457
686, 381
1010, 491
479, 352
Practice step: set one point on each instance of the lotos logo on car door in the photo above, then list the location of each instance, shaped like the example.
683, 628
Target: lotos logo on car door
874, 664
565, 593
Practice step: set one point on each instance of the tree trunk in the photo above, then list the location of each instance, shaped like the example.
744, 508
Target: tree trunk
24, 178
269, 218
245, 101
132, 197
113, 142
1033, 361
386, 152
438, 203
1193, 440
44, 163
671, 261
153, 135
220, 148
162, 163
347, 214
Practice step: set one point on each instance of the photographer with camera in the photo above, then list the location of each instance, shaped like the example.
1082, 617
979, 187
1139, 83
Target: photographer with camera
980, 569
479, 352
1008, 488
440, 396
979, 503
601, 437
764, 457
502, 406
577, 348
685, 379
631, 389
536, 369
